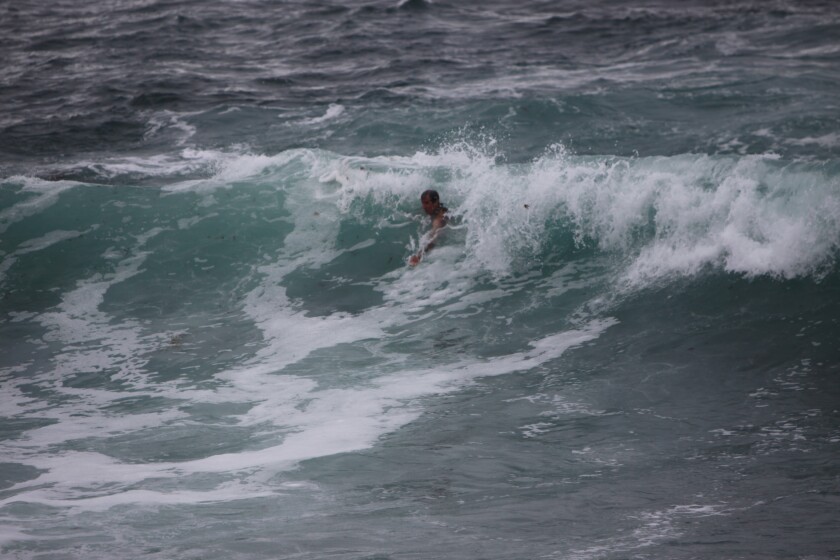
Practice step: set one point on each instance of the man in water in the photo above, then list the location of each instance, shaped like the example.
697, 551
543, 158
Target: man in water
432, 206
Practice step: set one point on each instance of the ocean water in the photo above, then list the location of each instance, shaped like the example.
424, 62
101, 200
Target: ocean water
624, 346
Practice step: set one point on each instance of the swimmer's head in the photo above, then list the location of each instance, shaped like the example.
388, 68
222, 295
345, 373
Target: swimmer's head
431, 201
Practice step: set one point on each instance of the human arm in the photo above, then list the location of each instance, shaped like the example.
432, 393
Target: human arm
437, 225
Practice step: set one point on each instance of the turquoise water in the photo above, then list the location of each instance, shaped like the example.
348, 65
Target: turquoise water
623, 346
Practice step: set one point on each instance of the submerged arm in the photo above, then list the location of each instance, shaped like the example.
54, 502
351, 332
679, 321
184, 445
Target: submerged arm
437, 225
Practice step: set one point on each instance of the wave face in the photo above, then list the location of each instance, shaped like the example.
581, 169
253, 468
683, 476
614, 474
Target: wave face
194, 342
623, 343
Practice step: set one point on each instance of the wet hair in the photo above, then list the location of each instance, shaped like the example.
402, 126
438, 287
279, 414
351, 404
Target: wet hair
433, 195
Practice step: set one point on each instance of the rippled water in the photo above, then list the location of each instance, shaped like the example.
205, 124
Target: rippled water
623, 346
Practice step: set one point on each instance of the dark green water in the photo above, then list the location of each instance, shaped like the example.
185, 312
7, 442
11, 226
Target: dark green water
624, 345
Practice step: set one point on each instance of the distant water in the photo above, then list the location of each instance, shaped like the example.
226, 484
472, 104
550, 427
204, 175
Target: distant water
626, 344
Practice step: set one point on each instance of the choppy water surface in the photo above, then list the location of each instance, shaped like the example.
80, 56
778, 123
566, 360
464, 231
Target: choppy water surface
624, 346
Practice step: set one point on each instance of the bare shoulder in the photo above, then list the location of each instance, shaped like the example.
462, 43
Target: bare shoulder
439, 221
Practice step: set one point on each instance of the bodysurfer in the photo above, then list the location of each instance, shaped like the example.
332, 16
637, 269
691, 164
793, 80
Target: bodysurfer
432, 206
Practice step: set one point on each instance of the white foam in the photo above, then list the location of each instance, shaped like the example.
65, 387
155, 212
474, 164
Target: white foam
78, 318
90, 341
321, 422
159, 165
217, 169
147, 498
333, 111
289, 334
49, 239
665, 216
47, 195
169, 120
748, 215
333, 421
38, 244
10, 534
654, 528
830, 140
697, 205
305, 418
